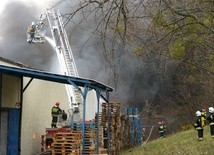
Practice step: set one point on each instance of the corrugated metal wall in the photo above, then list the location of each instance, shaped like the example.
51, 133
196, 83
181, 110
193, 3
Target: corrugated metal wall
3, 132
13, 132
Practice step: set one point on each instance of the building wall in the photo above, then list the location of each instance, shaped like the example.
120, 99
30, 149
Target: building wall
38, 100
10, 96
11, 91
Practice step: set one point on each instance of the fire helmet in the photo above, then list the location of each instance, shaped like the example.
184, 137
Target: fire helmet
57, 104
203, 110
198, 113
211, 109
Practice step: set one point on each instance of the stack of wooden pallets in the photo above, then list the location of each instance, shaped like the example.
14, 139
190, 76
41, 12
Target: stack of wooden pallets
90, 137
126, 130
114, 127
67, 143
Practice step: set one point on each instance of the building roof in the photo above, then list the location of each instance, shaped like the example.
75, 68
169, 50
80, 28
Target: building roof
20, 72
14, 62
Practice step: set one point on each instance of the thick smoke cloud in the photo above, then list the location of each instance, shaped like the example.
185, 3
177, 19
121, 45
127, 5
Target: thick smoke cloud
14, 19
135, 81
133, 85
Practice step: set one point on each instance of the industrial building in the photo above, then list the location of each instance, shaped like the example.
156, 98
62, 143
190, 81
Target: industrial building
27, 96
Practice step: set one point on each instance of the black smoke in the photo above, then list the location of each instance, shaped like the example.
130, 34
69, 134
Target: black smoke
131, 78
14, 20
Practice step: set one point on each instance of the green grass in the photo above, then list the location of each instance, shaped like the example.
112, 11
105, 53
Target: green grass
183, 143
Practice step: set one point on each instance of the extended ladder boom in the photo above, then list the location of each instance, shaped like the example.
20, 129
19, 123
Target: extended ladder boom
64, 52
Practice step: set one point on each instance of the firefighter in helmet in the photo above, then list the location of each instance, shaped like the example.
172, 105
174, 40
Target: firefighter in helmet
199, 125
162, 129
55, 111
31, 32
210, 120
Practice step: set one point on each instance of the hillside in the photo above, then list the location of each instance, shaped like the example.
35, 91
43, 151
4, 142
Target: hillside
183, 143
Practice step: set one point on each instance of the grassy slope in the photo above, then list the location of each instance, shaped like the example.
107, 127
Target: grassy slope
183, 143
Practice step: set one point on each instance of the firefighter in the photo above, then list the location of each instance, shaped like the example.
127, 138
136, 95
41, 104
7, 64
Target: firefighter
203, 116
55, 111
143, 133
31, 32
161, 129
210, 119
198, 125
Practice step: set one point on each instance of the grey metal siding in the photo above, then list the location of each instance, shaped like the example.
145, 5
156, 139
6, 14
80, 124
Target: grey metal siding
3, 132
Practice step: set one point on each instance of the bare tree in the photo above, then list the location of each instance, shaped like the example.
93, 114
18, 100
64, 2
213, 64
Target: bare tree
172, 38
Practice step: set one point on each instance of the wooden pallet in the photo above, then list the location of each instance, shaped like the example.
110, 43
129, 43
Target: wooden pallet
66, 153
72, 133
66, 145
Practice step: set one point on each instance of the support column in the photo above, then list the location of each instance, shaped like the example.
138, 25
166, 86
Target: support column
83, 123
109, 136
98, 92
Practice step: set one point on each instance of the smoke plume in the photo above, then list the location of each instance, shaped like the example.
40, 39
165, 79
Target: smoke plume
132, 79
132, 85
15, 18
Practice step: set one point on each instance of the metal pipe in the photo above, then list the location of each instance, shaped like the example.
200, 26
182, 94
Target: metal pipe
98, 123
108, 130
83, 123
29, 82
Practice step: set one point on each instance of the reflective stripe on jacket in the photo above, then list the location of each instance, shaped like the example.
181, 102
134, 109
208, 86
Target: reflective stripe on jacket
210, 119
161, 128
56, 111
198, 123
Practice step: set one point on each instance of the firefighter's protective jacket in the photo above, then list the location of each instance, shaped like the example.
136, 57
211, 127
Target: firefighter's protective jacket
210, 119
198, 123
203, 114
31, 29
203, 117
162, 128
55, 111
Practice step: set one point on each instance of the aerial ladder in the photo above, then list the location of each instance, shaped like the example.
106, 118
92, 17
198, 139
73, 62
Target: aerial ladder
66, 59
52, 20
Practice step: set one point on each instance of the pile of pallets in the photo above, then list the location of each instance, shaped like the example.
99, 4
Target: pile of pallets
90, 137
75, 126
113, 130
67, 143
126, 130
111, 113
89, 144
